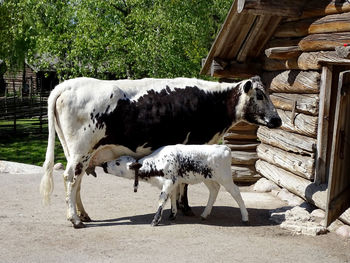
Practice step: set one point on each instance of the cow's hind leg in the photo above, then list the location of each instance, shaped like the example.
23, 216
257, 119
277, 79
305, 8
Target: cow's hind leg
183, 201
168, 186
83, 215
72, 177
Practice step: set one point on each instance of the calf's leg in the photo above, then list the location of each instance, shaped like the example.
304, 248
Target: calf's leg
183, 201
214, 188
236, 194
167, 188
83, 215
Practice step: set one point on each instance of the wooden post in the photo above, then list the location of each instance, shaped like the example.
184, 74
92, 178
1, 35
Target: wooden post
40, 106
323, 122
14, 107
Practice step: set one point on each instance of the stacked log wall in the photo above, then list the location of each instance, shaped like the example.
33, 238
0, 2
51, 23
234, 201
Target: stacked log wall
242, 140
292, 72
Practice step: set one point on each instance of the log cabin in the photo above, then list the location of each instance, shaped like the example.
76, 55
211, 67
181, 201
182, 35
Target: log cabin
302, 51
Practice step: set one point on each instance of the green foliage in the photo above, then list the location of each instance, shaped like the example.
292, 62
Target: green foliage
111, 39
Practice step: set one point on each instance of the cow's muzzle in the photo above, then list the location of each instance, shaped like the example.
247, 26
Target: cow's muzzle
104, 166
274, 122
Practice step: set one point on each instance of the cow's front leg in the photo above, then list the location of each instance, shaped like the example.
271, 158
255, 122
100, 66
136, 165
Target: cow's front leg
183, 201
72, 176
168, 186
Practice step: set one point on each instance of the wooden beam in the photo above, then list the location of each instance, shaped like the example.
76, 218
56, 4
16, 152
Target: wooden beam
316, 8
244, 135
296, 163
287, 141
302, 187
242, 145
234, 69
329, 41
244, 174
283, 42
327, 24
244, 157
306, 61
300, 123
304, 103
323, 123
274, 7
283, 52
343, 52
293, 81
294, 29
277, 65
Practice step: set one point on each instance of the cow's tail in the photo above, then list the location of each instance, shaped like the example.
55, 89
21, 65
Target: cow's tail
46, 184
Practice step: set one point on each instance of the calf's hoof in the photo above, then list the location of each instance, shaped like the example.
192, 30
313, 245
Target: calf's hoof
85, 218
79, 225
246, 223
203, 218
155, 222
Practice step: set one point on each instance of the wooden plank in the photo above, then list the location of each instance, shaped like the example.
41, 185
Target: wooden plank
301, 165
244, 174
343, 51
339, 181
277, 65
323, 122
287, 141
305, 103
301, 123
283, 52
234, 69
327, 24
316, 8
244, 157
274, 7
243, 126
317, 42
294, 29
241, 145
283, 42
243, 135
313, 193
293, 81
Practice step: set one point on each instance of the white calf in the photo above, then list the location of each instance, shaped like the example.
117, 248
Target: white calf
170, 166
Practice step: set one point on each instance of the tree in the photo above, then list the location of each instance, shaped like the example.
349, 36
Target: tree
112, 39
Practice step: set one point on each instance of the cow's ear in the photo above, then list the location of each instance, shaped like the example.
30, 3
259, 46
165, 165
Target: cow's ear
247, 86
135, 166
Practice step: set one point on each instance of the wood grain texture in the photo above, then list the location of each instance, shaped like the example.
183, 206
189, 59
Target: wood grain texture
296, 163
293, 81
305, 103
317, 42
283, 52
287, 141
301, 123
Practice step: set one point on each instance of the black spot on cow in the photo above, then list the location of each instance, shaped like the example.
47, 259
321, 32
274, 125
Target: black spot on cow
111, 96
78, 169
168, 116
188, 164
107, 108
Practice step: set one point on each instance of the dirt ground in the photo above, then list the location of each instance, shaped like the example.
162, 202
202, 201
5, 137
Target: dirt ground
121, 231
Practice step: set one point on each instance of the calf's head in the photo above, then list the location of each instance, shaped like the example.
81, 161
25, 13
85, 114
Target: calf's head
254, 104
124, 166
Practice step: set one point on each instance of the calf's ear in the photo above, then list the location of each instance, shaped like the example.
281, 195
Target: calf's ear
135, 166
247, 86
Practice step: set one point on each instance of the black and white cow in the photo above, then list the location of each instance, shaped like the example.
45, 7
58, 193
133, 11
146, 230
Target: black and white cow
98, 121
173, 165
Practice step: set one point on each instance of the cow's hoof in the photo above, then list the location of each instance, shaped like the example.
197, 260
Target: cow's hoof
188, 212
203, 218
85, 218
246, 223
172, 216
79, 225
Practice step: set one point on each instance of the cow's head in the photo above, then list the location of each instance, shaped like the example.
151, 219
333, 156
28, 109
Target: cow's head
254, 104
122, 167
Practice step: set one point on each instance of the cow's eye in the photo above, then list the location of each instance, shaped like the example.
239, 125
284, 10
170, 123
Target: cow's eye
117, 163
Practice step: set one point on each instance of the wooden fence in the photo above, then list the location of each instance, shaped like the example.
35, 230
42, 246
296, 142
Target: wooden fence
28, 109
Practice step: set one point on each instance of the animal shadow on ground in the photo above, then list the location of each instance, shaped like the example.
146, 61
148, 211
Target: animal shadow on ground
220, 216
